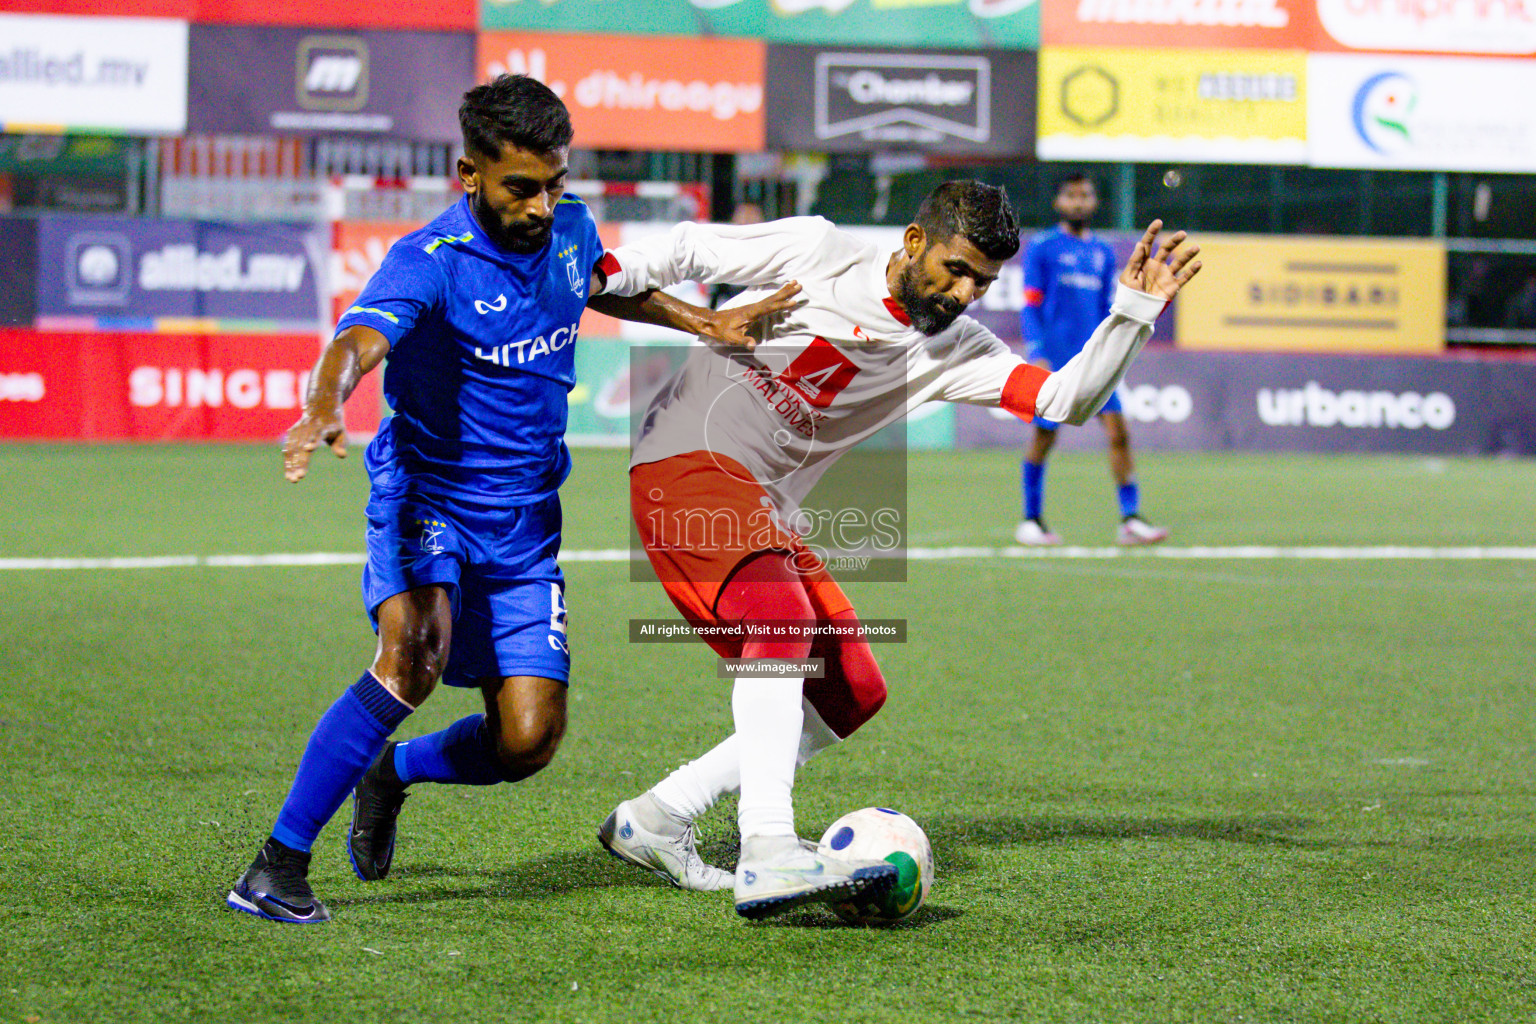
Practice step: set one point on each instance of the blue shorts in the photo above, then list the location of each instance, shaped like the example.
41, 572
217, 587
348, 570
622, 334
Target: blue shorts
1035, 354
498, 565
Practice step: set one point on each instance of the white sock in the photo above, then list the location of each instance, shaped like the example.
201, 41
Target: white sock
694, 787
769, 718
698, 785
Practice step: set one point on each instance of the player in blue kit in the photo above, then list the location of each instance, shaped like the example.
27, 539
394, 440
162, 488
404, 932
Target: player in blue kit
478, 313
1069, 283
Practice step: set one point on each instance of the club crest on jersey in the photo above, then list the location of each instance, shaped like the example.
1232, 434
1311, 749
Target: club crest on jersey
573, 272
432, 535
482, 307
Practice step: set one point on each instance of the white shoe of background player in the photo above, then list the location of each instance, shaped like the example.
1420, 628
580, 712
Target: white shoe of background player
1033, 534
1135, 530
646, 834
776, 873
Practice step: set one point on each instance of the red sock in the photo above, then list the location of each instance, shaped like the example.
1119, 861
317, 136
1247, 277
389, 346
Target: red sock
853, 689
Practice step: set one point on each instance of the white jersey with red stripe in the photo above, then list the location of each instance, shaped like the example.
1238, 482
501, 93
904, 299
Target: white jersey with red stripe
846, 362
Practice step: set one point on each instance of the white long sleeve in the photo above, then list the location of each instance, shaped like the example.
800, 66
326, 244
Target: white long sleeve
1078, 390
749, 255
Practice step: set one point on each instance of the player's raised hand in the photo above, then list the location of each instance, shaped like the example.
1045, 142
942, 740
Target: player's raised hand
1160, 268
741, 327
307, 435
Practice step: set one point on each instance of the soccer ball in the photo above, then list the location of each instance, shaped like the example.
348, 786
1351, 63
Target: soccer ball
878, 833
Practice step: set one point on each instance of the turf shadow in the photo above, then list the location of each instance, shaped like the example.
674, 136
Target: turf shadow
822, 917
952, 835
555, 874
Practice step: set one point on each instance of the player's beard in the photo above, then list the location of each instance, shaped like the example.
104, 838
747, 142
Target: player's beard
930, 314
1078, 224
522, 237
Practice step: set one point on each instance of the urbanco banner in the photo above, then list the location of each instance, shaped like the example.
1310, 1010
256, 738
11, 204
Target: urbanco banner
854, 99
100, 75
1213, 401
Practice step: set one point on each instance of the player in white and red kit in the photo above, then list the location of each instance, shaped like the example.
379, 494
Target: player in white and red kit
735, 441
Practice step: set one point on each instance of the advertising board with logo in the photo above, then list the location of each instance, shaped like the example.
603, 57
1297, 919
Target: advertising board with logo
299, 82
421, 14
146, 387
1209, 401
998, 24
1262, 24
110, 273
637, 92
1229, 106
103, 75
357, 251
974, 103
1455, 26
1422, 113
1316, 295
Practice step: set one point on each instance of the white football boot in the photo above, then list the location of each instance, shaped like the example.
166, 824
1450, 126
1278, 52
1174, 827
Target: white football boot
1135, 530
1033, 534
776, 873
646, 834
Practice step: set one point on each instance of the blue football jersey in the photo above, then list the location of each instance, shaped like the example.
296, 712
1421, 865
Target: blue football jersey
1069, 283
482, 355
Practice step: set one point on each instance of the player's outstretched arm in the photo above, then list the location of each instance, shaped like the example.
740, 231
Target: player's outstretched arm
1160, 268
350, 355
739, 327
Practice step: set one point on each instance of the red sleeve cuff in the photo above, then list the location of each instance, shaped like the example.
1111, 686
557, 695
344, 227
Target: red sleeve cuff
1022, 388
608, 266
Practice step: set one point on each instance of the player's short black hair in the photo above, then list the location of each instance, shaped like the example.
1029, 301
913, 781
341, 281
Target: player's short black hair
513, 109
979, 212
1073, 178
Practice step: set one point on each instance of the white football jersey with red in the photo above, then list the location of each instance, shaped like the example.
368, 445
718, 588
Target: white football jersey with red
842, 365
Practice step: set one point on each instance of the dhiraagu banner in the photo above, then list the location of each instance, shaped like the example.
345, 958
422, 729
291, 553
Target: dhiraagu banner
996, 24
1223, 106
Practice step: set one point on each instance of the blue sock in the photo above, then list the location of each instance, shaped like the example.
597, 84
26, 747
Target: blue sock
1130, 499
461, 754
348, 737
1034, 489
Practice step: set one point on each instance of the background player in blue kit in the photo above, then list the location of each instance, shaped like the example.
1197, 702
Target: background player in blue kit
1069, 282
478, 313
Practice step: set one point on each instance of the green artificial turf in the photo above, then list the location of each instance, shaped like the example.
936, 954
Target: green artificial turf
1158, 790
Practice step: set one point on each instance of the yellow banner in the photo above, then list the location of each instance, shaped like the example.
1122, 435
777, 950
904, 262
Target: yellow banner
1280, 293
1108, 103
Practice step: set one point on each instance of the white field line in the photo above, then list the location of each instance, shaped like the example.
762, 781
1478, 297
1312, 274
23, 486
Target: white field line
949, 554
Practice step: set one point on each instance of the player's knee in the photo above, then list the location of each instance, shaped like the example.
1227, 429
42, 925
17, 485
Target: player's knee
527, 748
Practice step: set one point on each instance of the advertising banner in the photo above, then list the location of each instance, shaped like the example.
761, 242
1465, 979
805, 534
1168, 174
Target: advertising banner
104, 75
147, 387
1275, 402
357, 251
1422, 113
1261, 24
972, 103
293, 81
1000, 24
1450, 26
1227, 106
637, 92
422, 14
1315, 295
18, 271
1467, 27
112, 273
